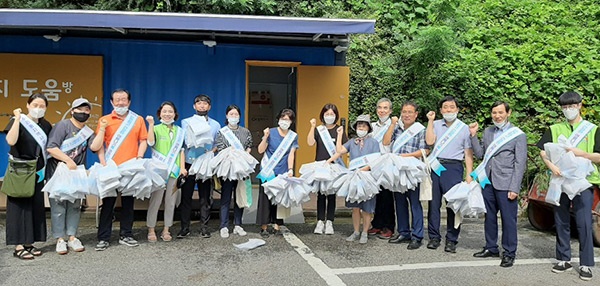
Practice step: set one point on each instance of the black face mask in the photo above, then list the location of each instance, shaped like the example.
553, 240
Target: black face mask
202, 113
81, 117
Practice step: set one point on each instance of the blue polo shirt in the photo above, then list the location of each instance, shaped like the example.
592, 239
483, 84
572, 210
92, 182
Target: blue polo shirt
456, 148
193, 153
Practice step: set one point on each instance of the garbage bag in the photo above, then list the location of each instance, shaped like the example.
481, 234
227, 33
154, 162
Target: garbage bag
397, 173
233, 164
287, 191
356, 186
319, 176
201, 167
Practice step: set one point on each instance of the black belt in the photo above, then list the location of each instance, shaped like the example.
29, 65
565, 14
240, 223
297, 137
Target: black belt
450, 161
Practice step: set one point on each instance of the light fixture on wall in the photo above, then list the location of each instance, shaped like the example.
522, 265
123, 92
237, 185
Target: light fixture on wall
54, 38
340, 49
209, 44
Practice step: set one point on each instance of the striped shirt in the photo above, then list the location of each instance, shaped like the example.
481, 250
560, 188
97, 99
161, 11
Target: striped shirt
243, 134
414, 144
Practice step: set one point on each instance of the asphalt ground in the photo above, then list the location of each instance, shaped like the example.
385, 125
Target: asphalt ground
295, 258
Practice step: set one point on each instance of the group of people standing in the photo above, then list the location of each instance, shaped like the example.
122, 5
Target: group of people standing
448, 143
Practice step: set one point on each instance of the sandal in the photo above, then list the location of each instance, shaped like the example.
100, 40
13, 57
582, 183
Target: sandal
152, 237
166, 236
33, 250
23, 254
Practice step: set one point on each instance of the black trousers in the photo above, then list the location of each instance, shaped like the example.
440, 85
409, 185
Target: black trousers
187, 191
106, 217
385, 216
325, 203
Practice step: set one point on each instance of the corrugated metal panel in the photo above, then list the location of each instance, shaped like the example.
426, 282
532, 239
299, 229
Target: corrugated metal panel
157, 71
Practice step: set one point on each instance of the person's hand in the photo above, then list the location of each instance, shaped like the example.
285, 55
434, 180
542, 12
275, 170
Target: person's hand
340, 130
469, 179
365, 168
290, 173
473, 128
17, 112
313, 122
555, 170
103, 123
71, 165
512, 195
266, 132
431, 115
150, 119
394, 120
184, 172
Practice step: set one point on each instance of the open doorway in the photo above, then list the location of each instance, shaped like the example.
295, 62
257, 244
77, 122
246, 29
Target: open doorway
270, 89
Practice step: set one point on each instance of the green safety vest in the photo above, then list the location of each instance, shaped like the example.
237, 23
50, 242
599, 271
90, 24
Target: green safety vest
163, 142
587, 144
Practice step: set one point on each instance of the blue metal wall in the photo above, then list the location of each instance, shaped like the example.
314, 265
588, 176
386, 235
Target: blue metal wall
156, 71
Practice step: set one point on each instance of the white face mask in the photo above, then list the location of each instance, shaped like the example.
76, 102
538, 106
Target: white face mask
233, 121
37, 112
329, 119
501, 124
362, 133
121, 110
450, 117
167, 122
383, 119
284, 124
571, 113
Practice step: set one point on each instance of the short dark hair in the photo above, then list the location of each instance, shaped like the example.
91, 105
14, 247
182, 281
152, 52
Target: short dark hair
121, 90
286, 111
202, 97
170, 104
36, 96
446, 99
229, 108
327, 107
500, 102
410, 103
569, 97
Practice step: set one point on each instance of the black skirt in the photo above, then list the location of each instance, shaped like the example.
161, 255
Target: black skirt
26, 218
266, 213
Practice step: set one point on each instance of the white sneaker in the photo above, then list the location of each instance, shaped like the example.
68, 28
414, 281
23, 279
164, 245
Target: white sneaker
328, 227
61, 247
224, 232
319, 227
239, 231
76, 245
353, 237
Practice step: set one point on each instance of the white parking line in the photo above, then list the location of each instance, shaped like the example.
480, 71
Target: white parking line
316, 263
449, 264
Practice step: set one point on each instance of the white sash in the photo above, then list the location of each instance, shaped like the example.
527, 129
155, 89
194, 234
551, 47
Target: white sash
479, 174
382, 130
268, 164
120, 135
442, 143
40, 137
231, 138
580, 132
363, 161
77, 140
408, 134
171, 157
328, 142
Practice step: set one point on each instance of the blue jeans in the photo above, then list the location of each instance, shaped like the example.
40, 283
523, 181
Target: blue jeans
227, 191
65, 217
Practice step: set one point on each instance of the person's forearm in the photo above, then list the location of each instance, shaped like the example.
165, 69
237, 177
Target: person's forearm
430, 134
13, 134
311, 136
151, 139
98, 140
57, 154
416, 154
262, 147
142, 148
469, 161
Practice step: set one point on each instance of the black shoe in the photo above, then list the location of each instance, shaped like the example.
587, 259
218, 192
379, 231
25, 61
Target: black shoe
414, 244
264, 233
433, 243
399, 239
561, 267
276, 232
507, 261
205, 233
184, 232
450, 247
485, 253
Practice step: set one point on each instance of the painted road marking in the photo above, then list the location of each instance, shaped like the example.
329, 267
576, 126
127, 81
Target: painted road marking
316, 263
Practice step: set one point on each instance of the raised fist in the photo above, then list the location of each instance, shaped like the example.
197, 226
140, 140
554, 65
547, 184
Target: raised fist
340, 130
266, 132
313, 122
473, 128
431, 115
394, 119
150, 119
103, 123
17, 112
